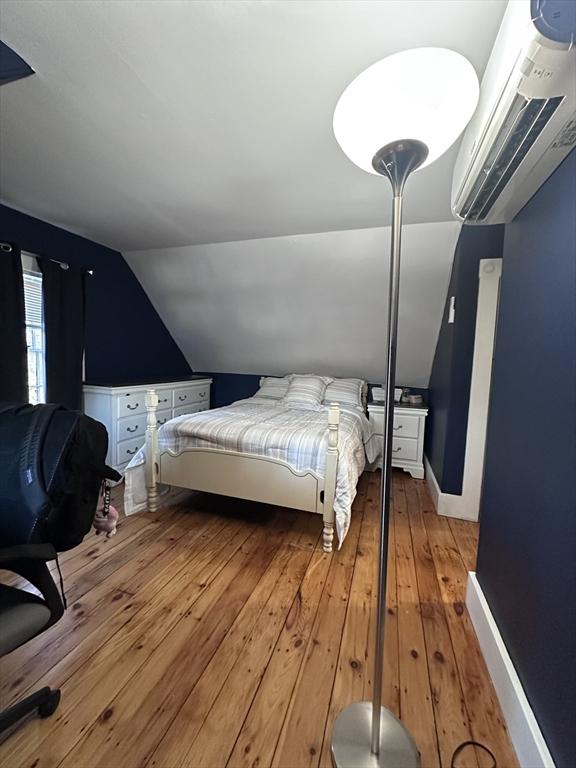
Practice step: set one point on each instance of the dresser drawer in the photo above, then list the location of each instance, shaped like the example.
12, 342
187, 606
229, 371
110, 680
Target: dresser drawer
162, 417
191, 408
131, 403
164, 398
191, 395
127, 448
404, 449
131, 427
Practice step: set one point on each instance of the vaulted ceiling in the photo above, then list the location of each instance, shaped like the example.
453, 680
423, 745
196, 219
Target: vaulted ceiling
152, 124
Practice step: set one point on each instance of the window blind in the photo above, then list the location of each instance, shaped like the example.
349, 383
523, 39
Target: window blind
33, 299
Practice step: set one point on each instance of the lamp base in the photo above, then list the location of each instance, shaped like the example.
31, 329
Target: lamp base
351, 739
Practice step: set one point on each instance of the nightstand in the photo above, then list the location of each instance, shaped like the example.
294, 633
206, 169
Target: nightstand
408, 437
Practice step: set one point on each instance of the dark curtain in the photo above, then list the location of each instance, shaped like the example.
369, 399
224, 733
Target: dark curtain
64, 309
13, 364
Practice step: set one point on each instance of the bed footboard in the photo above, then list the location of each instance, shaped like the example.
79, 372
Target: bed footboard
245, 476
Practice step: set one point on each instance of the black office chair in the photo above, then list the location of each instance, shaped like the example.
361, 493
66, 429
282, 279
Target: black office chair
24, 615
52, 469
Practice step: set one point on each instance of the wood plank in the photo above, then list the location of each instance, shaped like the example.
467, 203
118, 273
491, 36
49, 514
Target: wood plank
450, 714
138, 715
416, 709
214, 744
257, 740
114, 663
352, 675
466, 537
302, 734
486, 720
93, 620
178, 738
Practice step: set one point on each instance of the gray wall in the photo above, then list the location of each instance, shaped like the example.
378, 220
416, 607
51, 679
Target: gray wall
304, 302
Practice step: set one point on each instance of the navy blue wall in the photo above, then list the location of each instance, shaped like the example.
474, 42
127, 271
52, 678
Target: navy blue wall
12, 66
228, 387
449, 389
125, 338
527, 550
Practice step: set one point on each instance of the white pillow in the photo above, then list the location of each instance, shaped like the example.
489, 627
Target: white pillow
273, 388
346, 392
306, 391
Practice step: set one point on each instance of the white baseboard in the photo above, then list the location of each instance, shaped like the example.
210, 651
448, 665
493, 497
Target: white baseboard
447, 504
432, 482
523, 727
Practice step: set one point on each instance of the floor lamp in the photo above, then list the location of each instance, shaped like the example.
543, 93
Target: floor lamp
397, 116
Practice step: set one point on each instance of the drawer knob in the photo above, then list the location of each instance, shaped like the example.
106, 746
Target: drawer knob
132, 407
161, 421
396, 450
181, 398
398, 427
164, 400
201, 394
131, 453
132, 429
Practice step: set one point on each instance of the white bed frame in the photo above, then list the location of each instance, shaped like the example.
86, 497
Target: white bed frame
245, 475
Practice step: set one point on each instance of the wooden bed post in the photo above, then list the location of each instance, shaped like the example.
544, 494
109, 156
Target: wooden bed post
152, 457
330, 477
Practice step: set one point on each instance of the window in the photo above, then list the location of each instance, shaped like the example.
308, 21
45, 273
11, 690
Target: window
35, 335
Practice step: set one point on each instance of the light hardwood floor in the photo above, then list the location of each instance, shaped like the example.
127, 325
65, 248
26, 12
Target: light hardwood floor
217, 633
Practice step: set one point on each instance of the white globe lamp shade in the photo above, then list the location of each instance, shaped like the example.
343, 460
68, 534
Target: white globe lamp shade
426, 94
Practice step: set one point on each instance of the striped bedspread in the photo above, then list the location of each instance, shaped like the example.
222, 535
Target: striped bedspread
265, 428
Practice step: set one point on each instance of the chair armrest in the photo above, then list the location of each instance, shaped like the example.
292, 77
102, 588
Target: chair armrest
42, 552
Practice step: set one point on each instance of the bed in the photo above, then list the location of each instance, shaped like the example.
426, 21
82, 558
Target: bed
263, 449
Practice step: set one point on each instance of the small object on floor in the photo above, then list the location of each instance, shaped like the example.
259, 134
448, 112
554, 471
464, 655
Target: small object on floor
105, 519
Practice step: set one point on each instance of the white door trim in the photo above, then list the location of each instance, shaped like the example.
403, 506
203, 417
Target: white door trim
467, 505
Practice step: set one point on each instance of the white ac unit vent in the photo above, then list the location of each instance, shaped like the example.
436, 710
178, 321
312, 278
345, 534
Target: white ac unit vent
525, 123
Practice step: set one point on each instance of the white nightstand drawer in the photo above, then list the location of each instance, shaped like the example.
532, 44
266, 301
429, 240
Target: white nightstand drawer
131, 427
191, 395
190, 408
127, 448
131, 403
406, 426
404, 448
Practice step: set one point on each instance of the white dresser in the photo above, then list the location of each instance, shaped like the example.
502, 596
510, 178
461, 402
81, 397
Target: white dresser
122, 410
408, 438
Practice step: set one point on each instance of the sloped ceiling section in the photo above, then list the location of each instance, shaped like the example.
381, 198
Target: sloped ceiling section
304, 302
156, 124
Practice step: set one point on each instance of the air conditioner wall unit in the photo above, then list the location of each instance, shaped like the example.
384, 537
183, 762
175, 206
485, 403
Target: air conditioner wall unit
525, 123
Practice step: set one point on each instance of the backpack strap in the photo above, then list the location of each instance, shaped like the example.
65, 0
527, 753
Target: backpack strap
32, 485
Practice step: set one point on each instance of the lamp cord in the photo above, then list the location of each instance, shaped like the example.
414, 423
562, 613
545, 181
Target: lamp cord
465, 744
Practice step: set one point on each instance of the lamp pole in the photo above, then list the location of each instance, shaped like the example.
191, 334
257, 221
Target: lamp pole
367, 734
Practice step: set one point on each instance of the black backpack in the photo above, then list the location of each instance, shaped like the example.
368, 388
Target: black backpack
52, 466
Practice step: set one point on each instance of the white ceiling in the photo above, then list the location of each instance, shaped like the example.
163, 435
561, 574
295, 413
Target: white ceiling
161, 123
303, 303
